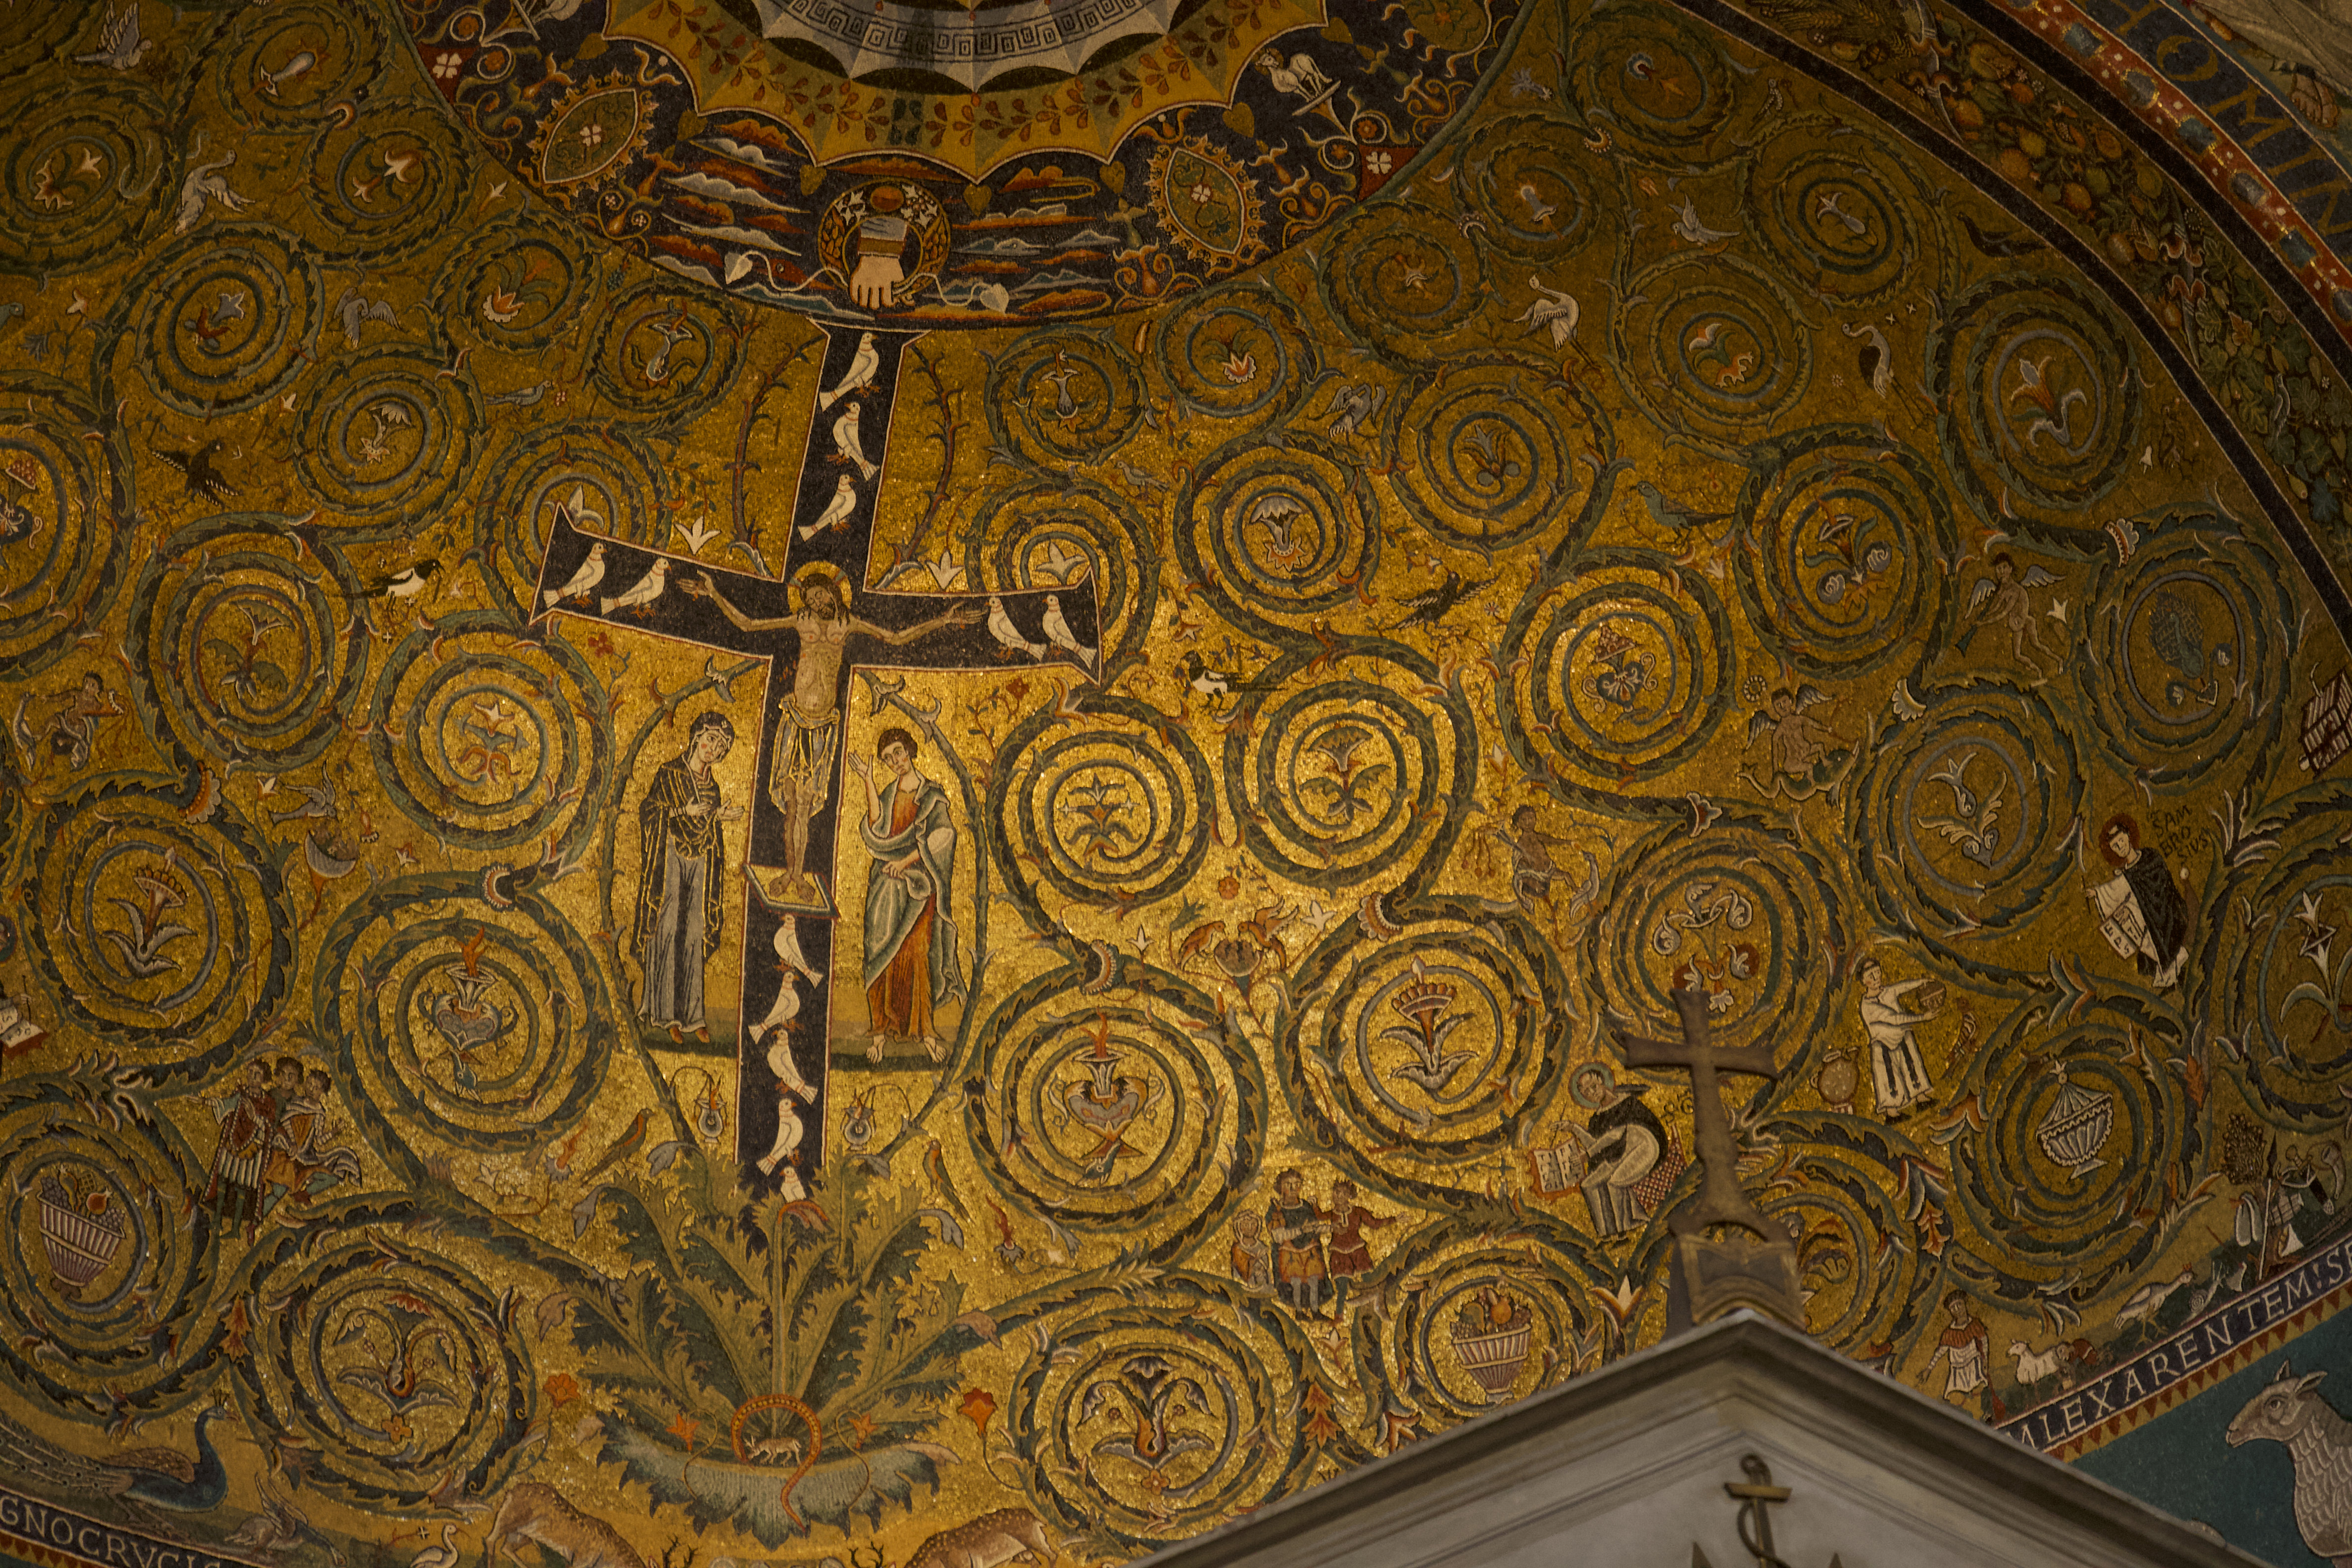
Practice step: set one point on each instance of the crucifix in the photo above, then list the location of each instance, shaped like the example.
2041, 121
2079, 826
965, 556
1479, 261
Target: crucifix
812, 623
1713, 1275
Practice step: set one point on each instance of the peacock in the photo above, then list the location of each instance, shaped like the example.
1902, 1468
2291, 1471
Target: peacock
146, 1478
2176, 632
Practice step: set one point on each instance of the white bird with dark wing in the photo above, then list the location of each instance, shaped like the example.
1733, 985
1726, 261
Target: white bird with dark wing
859, 376
837, 511
119, 46
1877, 363
639, 598
1001, 628
1058, 633
406, 583
846, 441
590, 573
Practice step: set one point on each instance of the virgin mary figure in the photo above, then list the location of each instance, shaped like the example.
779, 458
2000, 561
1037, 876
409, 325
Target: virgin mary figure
679, 914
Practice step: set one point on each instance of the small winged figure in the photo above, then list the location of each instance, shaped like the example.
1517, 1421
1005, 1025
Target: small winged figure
2005, 599
1974, 821
1807, 755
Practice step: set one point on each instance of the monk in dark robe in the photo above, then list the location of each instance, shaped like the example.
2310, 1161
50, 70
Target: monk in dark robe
2141, 911
1623, 1142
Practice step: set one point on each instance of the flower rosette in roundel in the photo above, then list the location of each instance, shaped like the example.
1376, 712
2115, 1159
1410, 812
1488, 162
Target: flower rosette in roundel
1333, 782
230, 319
1149, 1432
1405, 280
1421, 1051
1117, 810
1962, 820
1067, 397
2283, 971
2045, 392
168, 937
468, 1018
389, 1365
2192, 633
1842, 215
1622, 673
1741, 912
1277, 530
1713, 346
1658, 82
1113, 1117
1848, 537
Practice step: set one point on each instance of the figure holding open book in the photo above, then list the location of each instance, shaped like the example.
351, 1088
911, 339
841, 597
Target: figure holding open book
1623, 1142
2140, 909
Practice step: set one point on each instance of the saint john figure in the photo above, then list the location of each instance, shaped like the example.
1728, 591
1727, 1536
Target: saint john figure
683, 849
910, 940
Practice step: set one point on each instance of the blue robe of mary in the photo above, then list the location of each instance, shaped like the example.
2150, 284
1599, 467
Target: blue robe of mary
678, 912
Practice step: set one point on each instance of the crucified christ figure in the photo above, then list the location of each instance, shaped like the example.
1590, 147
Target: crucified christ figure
808, 736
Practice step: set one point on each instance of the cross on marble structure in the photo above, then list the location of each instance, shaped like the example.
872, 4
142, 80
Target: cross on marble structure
1713, 1276
793, 829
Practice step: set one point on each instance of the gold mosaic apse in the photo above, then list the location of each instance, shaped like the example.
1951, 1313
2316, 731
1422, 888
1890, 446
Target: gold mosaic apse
833, 788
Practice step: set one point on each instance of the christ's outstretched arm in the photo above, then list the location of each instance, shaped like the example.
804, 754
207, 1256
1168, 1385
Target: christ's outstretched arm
708, 589
959, 616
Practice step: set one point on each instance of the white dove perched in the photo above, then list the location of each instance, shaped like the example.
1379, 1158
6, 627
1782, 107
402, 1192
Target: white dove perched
789, 1080
788, 1004
845, 437
650, 588
860, 374
590, 573
837, 511
1001, 628
1057, 632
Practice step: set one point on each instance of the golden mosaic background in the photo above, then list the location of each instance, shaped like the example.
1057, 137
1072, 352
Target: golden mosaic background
1608, 514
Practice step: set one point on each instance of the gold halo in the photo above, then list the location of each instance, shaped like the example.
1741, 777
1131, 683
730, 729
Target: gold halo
825, 569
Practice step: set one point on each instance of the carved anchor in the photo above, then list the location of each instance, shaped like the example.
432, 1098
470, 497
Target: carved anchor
1755, 1496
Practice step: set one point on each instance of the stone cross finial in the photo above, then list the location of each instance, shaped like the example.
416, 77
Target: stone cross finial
1711, 1277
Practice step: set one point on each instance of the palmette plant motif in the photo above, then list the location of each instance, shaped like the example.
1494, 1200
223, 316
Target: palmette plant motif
801, 1313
